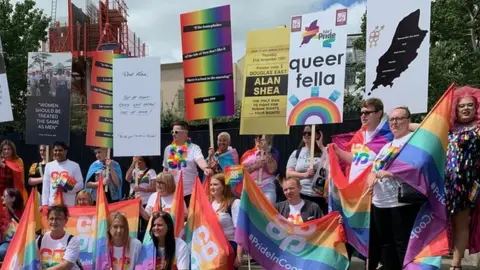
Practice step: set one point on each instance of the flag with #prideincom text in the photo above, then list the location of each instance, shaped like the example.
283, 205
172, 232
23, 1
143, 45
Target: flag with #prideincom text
275, 243
22, 253
209, 248
101, 251
421, 164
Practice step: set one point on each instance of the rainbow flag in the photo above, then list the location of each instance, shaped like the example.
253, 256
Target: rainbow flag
22, 252
352, 201
275, 243
178, 211
204, 230
228, 158
101, 250
234, 179
148, 254
421, 164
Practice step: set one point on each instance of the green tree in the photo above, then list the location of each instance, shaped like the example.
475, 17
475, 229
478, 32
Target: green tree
454, 46
22, 28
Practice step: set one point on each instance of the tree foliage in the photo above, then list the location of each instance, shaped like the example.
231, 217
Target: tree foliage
22, 28
454, 46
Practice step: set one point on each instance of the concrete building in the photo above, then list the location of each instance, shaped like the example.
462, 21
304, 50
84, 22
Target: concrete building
172, 81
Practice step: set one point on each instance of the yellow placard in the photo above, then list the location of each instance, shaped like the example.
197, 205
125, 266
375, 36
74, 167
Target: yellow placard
264, 101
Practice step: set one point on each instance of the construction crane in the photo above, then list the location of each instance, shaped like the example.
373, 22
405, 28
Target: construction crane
53, 13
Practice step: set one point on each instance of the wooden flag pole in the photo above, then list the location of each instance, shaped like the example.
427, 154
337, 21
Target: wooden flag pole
210, 127
108, 170
262, 156
312, 147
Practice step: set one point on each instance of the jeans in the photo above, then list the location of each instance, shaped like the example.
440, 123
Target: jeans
393, 227
3, 250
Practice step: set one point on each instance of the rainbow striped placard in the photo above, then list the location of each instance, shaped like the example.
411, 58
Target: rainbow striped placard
100, 114
208, 63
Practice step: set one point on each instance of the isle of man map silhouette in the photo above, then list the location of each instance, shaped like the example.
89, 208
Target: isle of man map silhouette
403, 50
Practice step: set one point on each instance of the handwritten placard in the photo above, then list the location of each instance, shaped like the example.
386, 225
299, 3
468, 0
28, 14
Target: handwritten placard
136, 107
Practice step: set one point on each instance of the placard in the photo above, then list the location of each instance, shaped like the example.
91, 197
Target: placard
398, 47
207, 63
6, 114
316, 82
100, 122
48, 97
136, 107
264, 101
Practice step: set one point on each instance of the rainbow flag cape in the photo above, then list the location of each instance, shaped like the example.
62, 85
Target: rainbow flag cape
421, 164
101, 250
18, 176
228, 158
178, 211
234, 179
352, 201
203, 230
23, 252
275, 243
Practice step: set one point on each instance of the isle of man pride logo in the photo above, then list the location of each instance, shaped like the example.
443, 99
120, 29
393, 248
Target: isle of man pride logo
313, 32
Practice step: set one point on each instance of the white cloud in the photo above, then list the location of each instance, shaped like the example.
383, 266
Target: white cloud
157, 22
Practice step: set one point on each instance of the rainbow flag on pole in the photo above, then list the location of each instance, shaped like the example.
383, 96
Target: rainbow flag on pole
275, 243
421, 164
101, 250
22, 252
148, 254
203, 233
178, 211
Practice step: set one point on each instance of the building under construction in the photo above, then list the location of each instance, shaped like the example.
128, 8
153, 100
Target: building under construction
101, 26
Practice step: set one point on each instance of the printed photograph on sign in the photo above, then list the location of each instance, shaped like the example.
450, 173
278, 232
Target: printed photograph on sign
397, 58
49, 78
317, 68
6, 114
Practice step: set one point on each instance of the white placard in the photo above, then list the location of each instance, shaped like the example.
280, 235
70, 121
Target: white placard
136, 107
316, 77
6, 114
398, 45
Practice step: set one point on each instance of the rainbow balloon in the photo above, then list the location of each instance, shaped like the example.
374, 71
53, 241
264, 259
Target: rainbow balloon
320, 107
207, 63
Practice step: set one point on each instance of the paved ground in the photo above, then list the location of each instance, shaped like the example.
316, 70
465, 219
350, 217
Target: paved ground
360, 265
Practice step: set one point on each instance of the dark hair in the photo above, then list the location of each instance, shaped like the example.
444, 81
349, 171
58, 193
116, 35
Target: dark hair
374, 102
15, 193
148, 161
317, 152
61, 144
407, 111
183, 124
169, 237
58, 208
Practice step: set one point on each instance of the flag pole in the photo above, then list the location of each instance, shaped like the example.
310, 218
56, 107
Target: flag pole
312, 146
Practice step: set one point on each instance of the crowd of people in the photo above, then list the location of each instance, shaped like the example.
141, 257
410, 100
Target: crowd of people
60, 184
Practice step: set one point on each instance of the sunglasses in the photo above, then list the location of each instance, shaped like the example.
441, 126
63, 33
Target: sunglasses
307, 133
367, 113
175, 132
397, 119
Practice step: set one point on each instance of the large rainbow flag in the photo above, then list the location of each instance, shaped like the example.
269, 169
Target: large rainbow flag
178, 211
209, 246
22, 252
100, 246
275, 243
421, 164
353, 202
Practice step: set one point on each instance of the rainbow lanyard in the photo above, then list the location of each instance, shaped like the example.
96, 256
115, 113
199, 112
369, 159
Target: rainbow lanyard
123, 255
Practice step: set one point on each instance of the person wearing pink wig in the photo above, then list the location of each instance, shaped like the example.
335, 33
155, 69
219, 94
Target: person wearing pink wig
462, 176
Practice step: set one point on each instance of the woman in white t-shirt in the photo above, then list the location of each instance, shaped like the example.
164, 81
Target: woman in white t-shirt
226, 207
124, 250
166, 188
141, 173
172, 253
312, 180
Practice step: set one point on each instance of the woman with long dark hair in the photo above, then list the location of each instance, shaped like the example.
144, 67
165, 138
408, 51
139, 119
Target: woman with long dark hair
172, 253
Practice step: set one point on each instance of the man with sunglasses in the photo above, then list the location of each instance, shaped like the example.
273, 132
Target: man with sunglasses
183, 155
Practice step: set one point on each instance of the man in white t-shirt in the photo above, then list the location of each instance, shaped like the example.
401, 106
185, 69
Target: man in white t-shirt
392, 221
59, 172
295, 209
183, 155
57, 248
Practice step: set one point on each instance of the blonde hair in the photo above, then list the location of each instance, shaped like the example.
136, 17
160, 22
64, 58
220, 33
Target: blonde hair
84, 193
169, 181
228, 196
124, 221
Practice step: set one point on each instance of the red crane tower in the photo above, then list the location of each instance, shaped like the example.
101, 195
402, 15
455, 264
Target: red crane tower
98, 28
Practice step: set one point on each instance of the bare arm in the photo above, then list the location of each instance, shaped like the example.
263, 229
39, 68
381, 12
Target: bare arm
292, 173
347, 157
33, 181
144, 214
128, 175
202, 163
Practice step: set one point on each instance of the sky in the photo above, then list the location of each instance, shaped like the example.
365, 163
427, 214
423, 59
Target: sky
157, 22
